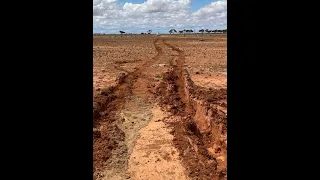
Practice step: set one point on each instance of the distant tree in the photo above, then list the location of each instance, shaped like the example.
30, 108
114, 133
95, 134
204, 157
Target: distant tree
122, 32
172, 31
207, 31
181, 32
149, 31
190, 31
201, 30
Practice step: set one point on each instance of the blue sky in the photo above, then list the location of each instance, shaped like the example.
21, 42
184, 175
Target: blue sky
135, 16
197, 4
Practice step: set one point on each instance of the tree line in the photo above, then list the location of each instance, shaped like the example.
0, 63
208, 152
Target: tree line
174, 31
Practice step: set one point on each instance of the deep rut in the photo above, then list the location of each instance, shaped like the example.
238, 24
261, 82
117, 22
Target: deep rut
199, 129
135, 139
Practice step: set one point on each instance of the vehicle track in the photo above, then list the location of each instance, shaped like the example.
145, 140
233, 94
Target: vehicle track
119, 112
109, 138
199, 128
126, 117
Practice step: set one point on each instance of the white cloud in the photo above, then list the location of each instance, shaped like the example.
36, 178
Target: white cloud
152, 6
110, 15
215, 8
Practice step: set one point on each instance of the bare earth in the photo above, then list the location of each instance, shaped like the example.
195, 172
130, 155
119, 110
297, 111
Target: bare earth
160, 107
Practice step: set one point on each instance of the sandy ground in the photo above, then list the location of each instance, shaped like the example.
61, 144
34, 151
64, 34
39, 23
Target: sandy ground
154, 156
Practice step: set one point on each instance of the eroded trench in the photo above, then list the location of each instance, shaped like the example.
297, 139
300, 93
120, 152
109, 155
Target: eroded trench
198, 125
200, 134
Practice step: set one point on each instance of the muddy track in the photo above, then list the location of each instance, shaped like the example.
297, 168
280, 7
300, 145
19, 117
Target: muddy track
121, 90
198, 128
108, 136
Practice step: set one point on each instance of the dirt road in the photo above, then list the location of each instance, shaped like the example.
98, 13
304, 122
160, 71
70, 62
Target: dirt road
155, 123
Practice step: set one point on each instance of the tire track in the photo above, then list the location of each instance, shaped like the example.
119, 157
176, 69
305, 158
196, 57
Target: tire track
122, 89
199, 128
123, 111
154, 155
109, 137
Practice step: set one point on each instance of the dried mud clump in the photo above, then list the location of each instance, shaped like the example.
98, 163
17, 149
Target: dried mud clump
108, 139
200, 135
188, 140
168, 94
105, 96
